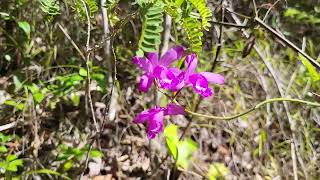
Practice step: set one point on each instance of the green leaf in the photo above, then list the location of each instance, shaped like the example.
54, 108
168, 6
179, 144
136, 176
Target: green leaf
96, 153
67, 165
97, 76
185, 150
3, 166
17, 84
38, 97
4, 138
25, 26
171, 134
75, 98
3, 149
82, 72
19, 106
62, 157
217, 171
181, 151
10, 102
77, 152
47, 171
33, 88
315, 76
262, 140
11, 157
5, 16
13, 165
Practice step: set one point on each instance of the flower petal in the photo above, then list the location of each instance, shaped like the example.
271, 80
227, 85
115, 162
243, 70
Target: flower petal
181, 82
142, 117
179, 79
142, 63
175, 71
192, 62
166, 78
171, 55
213, 77
153, 58
207, 93
155, 124
173, 109
146, 82
200, 85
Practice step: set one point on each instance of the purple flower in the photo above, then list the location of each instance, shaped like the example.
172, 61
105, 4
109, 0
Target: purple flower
154, 118
152, 65
169, 78
199, 81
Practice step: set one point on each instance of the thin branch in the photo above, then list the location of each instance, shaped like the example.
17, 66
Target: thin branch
8, 126
228, 24
87, 65
289, 43
256, 107
88, 91
113, 100
106, 31
255, 8
267, 13
72, 42
214, 63
238, 14
294, 161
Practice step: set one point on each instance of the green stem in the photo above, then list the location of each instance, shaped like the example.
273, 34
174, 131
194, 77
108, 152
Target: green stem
254, 108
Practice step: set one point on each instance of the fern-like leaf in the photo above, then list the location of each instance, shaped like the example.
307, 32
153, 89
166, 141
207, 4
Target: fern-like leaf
173, 10
110, 4
193, 30
204, 12
50, 7
151, 28
90, 4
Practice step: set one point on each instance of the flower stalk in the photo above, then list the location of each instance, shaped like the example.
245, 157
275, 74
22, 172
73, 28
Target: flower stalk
259, 105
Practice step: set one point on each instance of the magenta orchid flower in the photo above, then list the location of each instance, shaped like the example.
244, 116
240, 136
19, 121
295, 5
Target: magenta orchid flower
199, 81
175, 79
154, 118
151, 65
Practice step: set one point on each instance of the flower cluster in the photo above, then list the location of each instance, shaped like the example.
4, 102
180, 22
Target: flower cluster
173, 79
154, 118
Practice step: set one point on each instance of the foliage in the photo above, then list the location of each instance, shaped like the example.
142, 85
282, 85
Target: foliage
181, 150
204, 11
217, 171
82, 6
60, 88
25, 27
70, 156
48, 171
3, 140
50, 7
315, 76
302, 16
192, 26
181, 11
151, 27
9, 163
